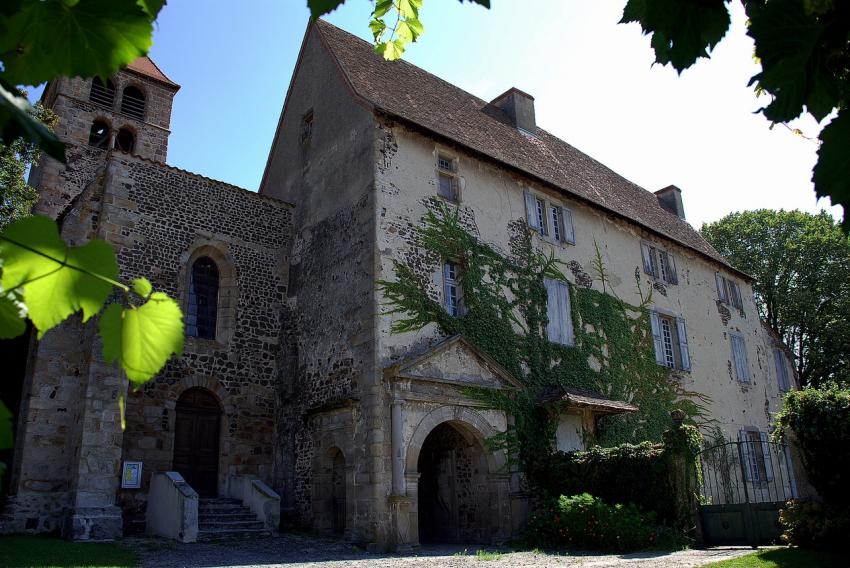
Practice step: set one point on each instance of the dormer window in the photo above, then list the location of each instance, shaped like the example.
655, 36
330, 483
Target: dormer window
133, 103
447, 182
101, 93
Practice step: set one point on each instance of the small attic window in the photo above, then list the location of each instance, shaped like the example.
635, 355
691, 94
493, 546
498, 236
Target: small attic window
99, 135
307, 127
101, 93
125, 140
133, 103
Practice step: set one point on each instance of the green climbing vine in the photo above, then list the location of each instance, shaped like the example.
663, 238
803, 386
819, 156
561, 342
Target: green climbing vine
505, 315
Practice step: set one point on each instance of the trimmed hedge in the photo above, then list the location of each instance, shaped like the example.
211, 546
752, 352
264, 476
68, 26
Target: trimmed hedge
628, 473
820, 420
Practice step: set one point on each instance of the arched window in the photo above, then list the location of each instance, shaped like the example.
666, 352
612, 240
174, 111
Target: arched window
125, 140
133, 102
203, 299
102, 93
99, 134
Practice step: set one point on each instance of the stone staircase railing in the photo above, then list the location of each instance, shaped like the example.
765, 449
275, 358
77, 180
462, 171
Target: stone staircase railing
260, 498
172, 510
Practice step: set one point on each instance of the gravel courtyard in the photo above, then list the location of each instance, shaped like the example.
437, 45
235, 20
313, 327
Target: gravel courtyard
295, 550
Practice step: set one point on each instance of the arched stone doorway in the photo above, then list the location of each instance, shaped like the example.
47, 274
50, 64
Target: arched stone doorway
454, 500
196, 440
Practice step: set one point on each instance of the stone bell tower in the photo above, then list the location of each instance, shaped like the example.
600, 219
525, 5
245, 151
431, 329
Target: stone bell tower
128, 112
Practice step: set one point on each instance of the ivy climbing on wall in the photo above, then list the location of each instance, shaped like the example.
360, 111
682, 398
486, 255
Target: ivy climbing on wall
505, 315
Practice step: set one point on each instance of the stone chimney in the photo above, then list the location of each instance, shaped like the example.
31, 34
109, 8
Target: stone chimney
670, 198
519, 107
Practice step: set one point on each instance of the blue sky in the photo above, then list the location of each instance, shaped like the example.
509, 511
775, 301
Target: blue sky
592, 79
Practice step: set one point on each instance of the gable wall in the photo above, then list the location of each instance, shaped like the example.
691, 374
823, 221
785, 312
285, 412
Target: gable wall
329, 358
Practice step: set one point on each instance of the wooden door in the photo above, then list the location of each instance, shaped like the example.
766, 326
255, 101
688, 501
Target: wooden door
196, 440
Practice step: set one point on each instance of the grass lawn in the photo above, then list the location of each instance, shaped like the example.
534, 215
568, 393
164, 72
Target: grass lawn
41, 552
786, 558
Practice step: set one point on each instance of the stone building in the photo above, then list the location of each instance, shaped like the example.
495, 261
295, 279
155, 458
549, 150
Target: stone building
292, 375
210, 413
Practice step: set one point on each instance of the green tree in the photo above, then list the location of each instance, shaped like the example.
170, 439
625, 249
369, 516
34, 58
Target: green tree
17, 197
801, 266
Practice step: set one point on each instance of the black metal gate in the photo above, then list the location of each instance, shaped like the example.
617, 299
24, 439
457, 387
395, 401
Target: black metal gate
744, 484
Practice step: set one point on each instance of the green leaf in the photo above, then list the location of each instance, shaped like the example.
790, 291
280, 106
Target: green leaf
16, 121
142, 339
382, 7
7, 440
319, 8
56, 280
831, 175
152, 7
141, 287
377, 26
414, 28
391, 50
793, 73
52, 38
409, 8
682, 30
12, 324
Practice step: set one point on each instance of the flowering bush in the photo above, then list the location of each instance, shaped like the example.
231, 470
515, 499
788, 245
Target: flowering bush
587, 522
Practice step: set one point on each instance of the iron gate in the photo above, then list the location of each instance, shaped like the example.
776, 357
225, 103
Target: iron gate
744, 484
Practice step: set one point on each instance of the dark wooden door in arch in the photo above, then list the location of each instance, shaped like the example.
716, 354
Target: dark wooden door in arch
196, 440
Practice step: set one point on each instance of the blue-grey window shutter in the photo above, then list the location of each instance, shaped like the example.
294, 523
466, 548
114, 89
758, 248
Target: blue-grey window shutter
765, 448
656, 337
569, 230
683, 344
531, 210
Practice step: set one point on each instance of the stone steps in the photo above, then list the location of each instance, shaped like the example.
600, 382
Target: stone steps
227, 518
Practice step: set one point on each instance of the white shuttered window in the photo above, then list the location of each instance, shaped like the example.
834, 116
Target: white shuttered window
670, 336
558, 310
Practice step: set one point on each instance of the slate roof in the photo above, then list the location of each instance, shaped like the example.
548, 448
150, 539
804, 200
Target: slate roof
144, 65
584, 398
413, 95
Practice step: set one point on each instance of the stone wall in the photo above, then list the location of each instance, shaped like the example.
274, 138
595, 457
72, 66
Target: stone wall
159, 219
328, 361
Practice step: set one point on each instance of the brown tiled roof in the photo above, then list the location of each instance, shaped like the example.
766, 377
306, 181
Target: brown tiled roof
584, 398
409, 93
144, 65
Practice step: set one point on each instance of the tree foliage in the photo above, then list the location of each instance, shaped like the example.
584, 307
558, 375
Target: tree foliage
16, 196
820, 422
801, 266
804, 53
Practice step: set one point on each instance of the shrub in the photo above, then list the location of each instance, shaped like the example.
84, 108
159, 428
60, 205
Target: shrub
587, 522
627, 473
814, 524
820, 421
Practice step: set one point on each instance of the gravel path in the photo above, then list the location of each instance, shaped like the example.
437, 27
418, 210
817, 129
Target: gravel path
296, 551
